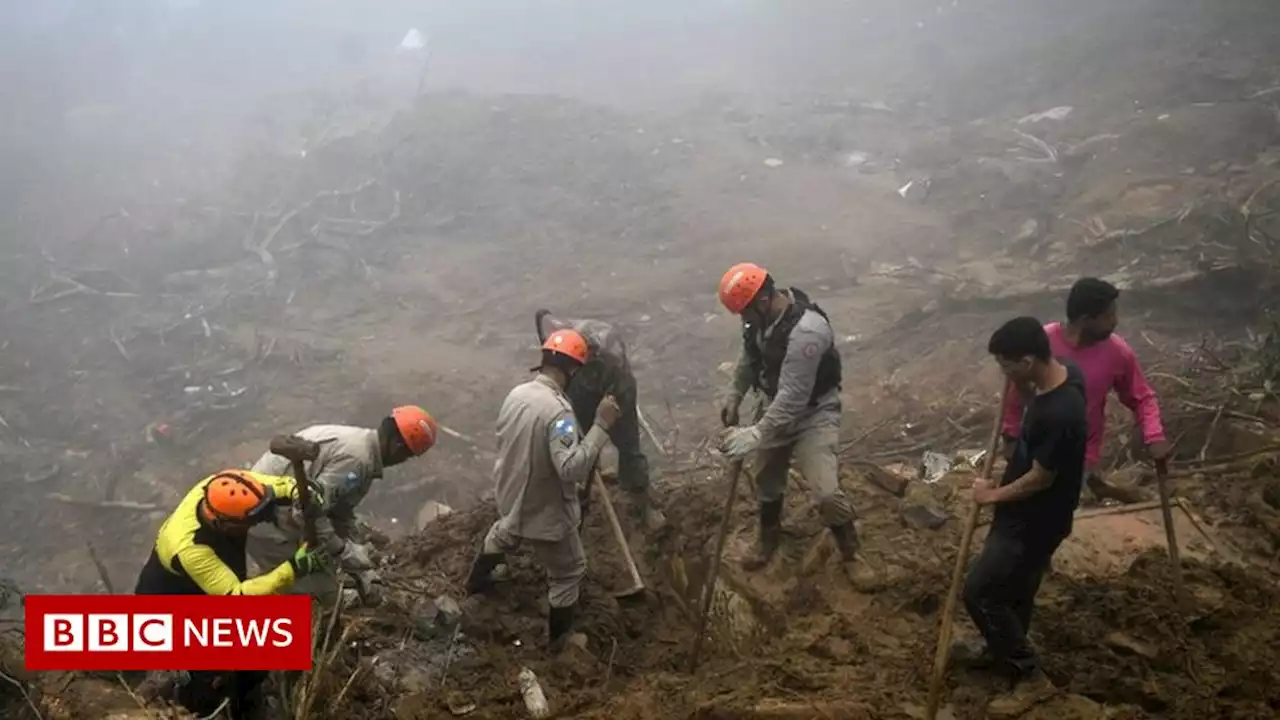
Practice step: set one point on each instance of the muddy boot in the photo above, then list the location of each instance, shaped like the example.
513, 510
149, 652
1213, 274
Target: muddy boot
1031, 690
481, 577
971, 653
855, 567
559, 628
770, 536
846, 538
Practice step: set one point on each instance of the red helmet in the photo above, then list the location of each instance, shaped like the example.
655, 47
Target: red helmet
417, 427
740, 285
569, 343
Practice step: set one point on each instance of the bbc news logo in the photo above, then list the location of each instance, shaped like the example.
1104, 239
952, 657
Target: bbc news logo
168, 632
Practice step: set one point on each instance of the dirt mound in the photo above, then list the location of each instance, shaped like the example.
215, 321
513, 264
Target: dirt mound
1217, 659
796, 639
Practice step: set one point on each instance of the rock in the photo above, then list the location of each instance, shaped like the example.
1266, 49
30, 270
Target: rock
772, 162
891, 483
917, 712
448, 612
1122, 643
1271, 495
1067, 707
923, 517
832, 648
432, 511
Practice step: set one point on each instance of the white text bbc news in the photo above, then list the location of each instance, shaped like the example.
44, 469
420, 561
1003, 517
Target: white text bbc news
144, 632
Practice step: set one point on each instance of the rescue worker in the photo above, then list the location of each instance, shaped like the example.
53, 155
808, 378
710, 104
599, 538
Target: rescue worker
540, 475
789, 355
608, 372
350, 459
200, 550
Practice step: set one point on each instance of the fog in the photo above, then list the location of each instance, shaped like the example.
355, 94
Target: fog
272, 204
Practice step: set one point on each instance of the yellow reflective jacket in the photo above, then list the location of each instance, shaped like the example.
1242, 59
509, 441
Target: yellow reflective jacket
191, 558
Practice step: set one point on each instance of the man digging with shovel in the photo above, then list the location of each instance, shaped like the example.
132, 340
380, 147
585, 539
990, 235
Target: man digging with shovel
541, 474
789, 354
350, 459
608, 372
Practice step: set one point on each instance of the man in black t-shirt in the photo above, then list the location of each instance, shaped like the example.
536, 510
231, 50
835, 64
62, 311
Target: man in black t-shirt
1034, 504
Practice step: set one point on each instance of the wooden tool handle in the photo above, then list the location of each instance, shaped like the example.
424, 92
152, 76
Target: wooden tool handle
617, 528
957, 572
734, 471
1171, 536
308, 508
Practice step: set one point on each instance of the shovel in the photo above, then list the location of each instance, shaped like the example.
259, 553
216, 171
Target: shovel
637, 584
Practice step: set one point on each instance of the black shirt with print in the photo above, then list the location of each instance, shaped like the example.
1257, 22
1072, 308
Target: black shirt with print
1054, 432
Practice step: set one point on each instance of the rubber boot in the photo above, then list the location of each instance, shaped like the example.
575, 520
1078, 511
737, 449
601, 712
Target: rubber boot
862, 577
559, 628
481, 577
846, 538
770, 535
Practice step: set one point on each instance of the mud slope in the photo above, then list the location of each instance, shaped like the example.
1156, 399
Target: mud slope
796, 640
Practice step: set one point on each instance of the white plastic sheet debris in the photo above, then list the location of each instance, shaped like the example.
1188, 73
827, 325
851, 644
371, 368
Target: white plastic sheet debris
933, 466
413, 40
1058, 113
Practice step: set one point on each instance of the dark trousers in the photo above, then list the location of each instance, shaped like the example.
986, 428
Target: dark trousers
633, 466
1000, 594
206, 690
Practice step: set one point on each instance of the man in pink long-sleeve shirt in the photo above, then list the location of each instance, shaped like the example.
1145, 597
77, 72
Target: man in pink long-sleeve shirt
1108, 363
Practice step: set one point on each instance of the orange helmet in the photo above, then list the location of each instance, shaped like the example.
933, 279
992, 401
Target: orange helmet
417, 427
235, 496
569, 343
740, 285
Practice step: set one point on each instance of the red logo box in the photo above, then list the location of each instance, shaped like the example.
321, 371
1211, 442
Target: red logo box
168, 632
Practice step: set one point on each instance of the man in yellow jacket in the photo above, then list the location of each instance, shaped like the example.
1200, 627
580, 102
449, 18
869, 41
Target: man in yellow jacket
200, 550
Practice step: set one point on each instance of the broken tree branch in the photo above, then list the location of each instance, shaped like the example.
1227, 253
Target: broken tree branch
119, 504
102, 570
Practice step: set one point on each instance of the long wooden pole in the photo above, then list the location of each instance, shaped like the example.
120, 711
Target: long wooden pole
734, 471
940, 656
1171, 537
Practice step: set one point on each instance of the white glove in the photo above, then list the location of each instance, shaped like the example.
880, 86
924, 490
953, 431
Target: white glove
740, 441
355, 558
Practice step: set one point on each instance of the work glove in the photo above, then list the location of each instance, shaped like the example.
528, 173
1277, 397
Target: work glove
306, 561
740, 441
729, 411
355, 558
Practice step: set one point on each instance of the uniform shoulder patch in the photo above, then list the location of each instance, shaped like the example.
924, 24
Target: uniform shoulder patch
810, 350
565, 430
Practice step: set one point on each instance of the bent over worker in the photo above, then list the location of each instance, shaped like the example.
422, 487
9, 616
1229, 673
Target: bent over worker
350, 459
608, 372
540, 475
200, 550
789, 355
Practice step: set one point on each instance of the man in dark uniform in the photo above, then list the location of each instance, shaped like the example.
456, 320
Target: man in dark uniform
789, 356
608, 372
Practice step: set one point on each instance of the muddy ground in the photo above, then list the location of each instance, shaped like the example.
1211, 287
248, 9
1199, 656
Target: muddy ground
152, 337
